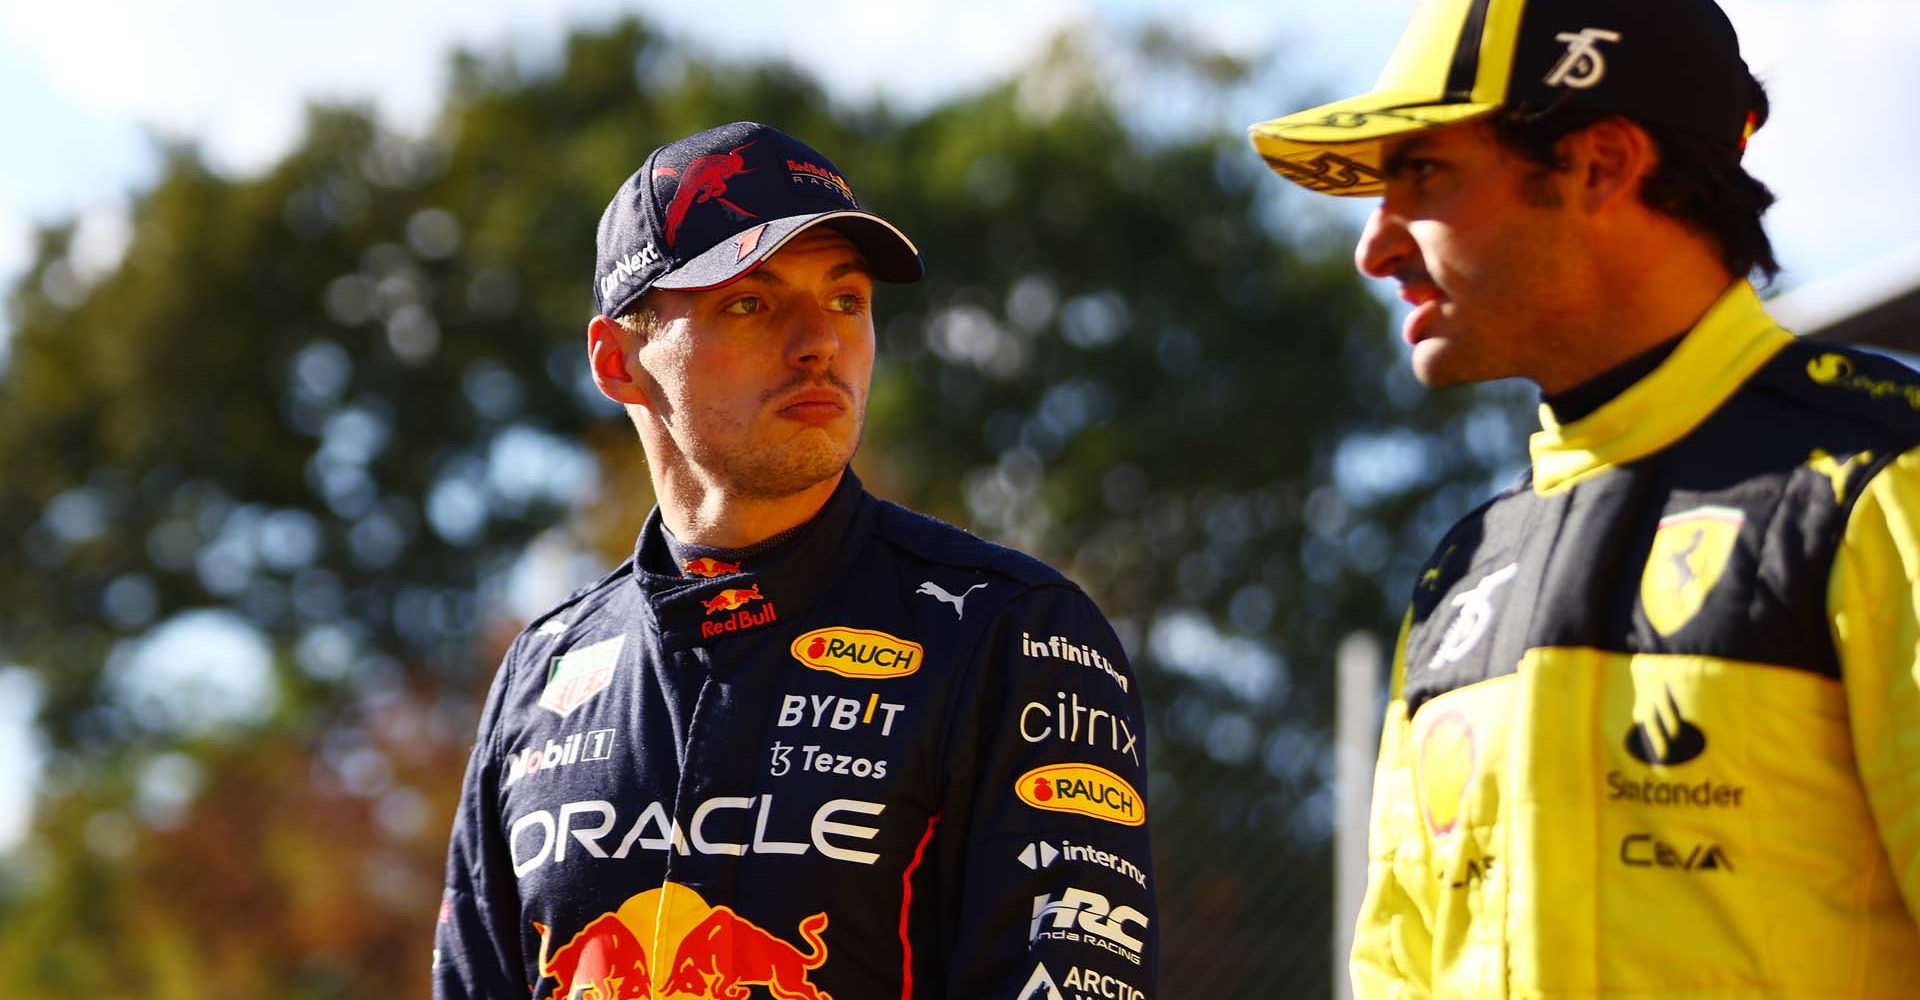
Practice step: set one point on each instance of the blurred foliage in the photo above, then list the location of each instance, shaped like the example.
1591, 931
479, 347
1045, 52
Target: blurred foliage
341, 407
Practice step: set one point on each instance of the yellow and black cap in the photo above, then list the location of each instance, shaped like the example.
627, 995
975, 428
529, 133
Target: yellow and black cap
1672, 62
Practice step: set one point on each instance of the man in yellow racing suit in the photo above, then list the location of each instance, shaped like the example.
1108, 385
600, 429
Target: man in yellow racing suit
1654, 729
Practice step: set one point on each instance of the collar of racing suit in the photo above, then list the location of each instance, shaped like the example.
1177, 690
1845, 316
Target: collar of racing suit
691, 611
1575, 403
683, 553
1729, 344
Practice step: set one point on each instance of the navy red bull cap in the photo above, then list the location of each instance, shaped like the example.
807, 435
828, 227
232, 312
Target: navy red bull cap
1675, 62
709, 208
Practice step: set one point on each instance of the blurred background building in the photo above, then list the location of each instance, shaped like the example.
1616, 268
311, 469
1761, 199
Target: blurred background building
295, 434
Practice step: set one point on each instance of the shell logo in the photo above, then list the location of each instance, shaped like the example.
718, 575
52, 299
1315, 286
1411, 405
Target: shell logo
1085, 789
1446, 762
863, 654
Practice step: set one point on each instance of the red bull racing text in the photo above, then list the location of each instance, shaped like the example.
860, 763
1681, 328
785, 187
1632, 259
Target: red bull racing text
736, 600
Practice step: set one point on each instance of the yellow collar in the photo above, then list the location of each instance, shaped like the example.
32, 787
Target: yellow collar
1727, 346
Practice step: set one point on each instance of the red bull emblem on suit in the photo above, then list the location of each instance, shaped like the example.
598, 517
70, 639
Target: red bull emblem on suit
731, 599
735, 599
715, 952
709, 567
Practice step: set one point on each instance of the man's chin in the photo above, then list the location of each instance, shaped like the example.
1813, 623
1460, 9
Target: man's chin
1436, 365
1439, 362
801, 465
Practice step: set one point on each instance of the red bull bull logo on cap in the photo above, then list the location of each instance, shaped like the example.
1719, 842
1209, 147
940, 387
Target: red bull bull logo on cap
1087, 789
715, 952
860, 653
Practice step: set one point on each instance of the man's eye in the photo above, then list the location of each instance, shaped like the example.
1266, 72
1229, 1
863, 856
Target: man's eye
744, 306
847, 302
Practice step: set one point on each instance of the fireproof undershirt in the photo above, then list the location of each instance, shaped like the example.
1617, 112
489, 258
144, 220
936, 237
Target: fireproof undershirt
1600, 390
686, 552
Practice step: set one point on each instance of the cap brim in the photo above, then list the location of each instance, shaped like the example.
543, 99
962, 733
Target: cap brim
1335, 148
890, 255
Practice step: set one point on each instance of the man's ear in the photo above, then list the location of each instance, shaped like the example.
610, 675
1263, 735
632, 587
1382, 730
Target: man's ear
1613, 155
609, 347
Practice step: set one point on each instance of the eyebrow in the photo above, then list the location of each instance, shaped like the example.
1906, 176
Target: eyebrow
841, 270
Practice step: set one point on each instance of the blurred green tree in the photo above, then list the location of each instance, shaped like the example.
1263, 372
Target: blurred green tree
341, 409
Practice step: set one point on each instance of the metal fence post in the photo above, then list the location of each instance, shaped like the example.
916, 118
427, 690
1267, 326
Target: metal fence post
1357, 740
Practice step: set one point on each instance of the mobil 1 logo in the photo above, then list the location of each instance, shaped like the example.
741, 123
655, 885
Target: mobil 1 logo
567, 751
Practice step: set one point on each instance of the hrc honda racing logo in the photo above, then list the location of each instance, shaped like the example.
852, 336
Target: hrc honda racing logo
709, 951
726, 824
1088, 918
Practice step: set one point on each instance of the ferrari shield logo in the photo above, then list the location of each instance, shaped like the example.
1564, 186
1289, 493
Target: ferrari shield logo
1689, 553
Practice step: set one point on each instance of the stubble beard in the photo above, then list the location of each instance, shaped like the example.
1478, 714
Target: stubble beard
1522, 317
809, 457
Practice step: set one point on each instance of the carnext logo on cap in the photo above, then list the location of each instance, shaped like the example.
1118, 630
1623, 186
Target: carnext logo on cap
628, 266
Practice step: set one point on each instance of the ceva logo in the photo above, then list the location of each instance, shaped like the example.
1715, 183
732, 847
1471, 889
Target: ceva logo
863, 654
1086, 789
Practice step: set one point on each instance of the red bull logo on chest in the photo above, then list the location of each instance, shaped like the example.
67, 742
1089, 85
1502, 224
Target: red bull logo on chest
736, 600
709, 951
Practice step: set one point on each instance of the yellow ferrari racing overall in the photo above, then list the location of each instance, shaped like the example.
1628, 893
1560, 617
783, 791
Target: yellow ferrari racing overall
1655, 722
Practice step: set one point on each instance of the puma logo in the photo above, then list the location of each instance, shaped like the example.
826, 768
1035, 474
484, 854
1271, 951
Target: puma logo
940, 593
1837, 471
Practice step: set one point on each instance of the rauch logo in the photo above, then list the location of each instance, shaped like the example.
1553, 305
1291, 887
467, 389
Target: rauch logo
1086, 789
857, 652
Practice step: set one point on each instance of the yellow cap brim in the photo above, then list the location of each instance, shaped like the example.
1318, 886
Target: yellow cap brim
1335, 148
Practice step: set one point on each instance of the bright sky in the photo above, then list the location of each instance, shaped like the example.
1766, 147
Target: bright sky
84, 84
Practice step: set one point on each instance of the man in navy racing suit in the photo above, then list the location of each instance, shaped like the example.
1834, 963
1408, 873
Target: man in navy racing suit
805, 743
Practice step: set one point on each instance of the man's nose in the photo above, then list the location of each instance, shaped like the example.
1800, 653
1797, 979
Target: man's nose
1384, 245
812, 340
